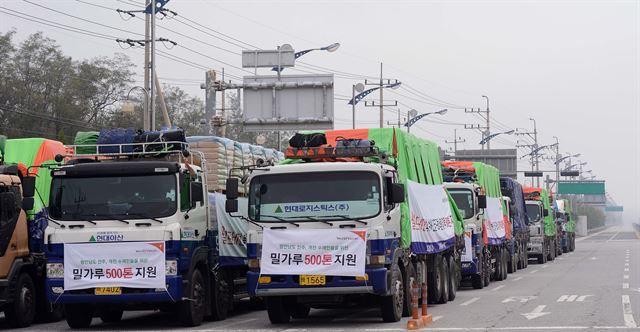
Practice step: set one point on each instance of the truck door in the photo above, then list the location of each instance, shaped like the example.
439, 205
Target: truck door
9, 213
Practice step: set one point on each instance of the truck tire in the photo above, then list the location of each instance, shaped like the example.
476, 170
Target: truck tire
573, 242
22, 311
111, 315
220, 297
552, 251
513, 260
391, 305
486, 270
454, 277
446, 275
79, 316
410, 272
477, 280
525, 255
191, 310
505, 263
434, 288
299, 311
497, 273
278, 310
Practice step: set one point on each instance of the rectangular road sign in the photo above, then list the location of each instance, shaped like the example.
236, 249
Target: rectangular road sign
268, 58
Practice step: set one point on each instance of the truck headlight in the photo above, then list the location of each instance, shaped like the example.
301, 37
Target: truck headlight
55, 270
171, 267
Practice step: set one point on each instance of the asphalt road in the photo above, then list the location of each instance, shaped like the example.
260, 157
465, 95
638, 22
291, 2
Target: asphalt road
595, 287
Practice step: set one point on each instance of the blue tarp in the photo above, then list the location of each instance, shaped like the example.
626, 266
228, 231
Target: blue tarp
116, 136
513, 190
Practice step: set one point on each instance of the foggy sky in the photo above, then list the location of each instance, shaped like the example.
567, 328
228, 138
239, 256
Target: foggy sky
572, 65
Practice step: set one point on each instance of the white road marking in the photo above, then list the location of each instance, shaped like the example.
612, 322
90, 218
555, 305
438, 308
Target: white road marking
521, 299
593, 258
236, 323
626, 311
625, 285
466, 303
626, 264
534, 271
626, 276
497, 288
516, 279
626, 269
567, 298
545, 266
435, 318
535, 313
614, 235
581, 298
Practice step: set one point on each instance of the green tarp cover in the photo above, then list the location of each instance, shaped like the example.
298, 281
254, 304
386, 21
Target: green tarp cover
86, 138
549, 220
35, 152
489, 179
570, 226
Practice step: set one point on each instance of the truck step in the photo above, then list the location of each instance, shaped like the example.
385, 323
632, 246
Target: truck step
239, 281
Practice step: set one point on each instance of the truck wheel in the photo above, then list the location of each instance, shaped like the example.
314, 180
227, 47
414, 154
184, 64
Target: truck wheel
391, 305
505, 263
191, 310
277, 310
573, 242
477, 280
299, 310
513, 260
410, 273
22, 311
552, 252
486, 270
497, 272
453, 278
111, 315
79, 316
525, 255
221, 295
434, 288
446, 275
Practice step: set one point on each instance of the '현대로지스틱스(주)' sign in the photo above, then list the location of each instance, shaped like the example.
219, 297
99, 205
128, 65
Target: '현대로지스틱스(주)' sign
121, 264
332, 252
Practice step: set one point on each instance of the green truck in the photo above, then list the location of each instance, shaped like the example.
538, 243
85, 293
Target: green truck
567, 230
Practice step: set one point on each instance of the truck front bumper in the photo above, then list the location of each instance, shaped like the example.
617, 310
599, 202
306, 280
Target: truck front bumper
173, 293
470, 268
535, 245
289, 285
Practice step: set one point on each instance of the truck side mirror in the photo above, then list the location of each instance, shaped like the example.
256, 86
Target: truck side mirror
396, 195
27, 203
232, 188
195, 192
545, 212
231, 205
29, 186
482, 201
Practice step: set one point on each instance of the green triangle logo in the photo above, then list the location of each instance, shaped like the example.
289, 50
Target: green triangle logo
278, 209
92, 239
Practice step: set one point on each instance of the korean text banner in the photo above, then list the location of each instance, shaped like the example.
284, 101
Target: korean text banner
432, 228
494, 222
232, 231
332, 252
121, 264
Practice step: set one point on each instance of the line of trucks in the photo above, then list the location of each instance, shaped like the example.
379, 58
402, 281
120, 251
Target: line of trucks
347, 216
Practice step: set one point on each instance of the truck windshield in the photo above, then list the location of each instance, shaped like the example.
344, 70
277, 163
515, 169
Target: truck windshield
113, 197
325, 195
464, 201
534, 211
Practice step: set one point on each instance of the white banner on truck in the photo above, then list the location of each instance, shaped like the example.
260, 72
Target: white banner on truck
494, 222
328, 252
432, 228
117, 264
232, 231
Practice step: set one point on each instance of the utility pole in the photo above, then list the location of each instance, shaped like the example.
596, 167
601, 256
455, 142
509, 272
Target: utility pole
146, 115
353, 106
455, 141
488, 124
483, 129
399, 123
381, 104
557, 162
210, 98
153, 64
223, 130
535, 139
535, 160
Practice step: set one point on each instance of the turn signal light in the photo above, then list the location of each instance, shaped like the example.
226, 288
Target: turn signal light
253, 263
363, 278
264, 280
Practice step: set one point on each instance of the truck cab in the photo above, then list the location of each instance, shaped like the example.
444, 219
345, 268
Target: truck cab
537, 242
102, 211
340, 195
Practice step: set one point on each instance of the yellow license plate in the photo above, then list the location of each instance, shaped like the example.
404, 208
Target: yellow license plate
312, 280
108, 291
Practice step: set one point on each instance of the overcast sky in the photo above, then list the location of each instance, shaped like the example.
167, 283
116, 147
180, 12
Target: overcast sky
573, 66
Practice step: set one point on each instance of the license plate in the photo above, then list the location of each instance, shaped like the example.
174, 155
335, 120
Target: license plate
312, 280
108, 291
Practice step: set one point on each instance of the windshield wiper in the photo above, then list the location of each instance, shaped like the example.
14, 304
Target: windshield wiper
280, 219
344, 217
314, 219
145, 216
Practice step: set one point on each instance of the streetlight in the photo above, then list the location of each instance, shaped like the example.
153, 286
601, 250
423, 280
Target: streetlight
128, 106
331, 48
359, 88
488, 138
357, 98
415, 118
